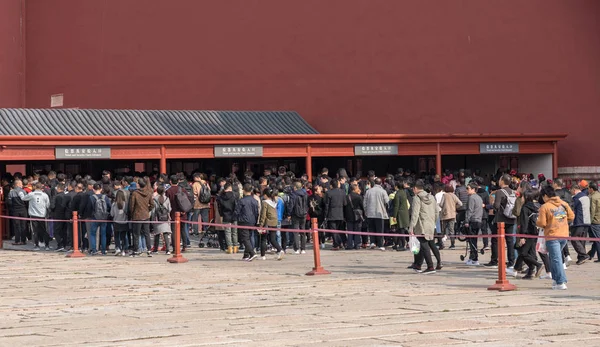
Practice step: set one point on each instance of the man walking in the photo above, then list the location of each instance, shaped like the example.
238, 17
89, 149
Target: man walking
246, 213
595, 215
424, 213
376, 201
581, 224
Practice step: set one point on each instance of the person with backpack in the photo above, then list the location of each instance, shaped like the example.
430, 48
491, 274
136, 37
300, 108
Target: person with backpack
299, 210
179, 203
461, 192
202, 198
162, 213
101, 210
140, 207
527, 225
354, 214
119, 213
504, 203
189, 192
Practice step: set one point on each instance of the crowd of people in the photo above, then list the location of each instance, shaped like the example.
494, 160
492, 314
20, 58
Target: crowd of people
136, 213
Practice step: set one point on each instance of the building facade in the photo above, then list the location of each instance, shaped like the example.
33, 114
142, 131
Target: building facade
347, 66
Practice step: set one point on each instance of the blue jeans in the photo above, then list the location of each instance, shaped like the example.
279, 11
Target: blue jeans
92, 236
186, 229
555, 248
594, 232
204, 214
278, 235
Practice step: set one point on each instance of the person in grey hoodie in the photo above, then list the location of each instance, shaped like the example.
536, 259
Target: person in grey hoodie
473, 220
39, 204
376, 201
422, 224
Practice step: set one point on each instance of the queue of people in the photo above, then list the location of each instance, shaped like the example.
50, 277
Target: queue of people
135, 213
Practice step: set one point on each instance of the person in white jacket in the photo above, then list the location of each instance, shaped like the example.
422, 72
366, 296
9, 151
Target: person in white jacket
39, 204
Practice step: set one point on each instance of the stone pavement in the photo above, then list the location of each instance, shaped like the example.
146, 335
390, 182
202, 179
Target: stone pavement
370, 299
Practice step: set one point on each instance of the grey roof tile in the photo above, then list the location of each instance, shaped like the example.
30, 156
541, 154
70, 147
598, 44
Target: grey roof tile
89, 122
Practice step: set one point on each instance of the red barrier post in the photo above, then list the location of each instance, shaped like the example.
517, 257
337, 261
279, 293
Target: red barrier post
177, 257
76, 252
502, 283
318, 269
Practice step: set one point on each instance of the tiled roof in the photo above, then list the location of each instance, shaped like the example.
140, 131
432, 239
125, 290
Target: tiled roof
91, 122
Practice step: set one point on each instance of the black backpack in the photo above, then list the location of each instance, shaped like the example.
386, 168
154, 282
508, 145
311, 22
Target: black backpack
162, 214
205, 195
183, 200
300, 206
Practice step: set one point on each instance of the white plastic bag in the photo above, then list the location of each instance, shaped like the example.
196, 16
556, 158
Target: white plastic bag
415, 246
540, 246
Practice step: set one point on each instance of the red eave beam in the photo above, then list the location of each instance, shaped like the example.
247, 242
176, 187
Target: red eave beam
275, 139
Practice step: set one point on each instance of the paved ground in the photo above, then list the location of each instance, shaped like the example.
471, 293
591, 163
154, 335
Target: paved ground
370, 299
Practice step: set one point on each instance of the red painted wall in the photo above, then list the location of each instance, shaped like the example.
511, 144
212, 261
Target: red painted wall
10, 53
351, 66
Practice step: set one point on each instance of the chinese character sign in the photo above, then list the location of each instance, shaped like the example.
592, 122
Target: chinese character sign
238, 151
491, 148
82, 152
379, 149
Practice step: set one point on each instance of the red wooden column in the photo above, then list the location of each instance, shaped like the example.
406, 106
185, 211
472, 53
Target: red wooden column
555, 160
309, 162
438, 160
163, 160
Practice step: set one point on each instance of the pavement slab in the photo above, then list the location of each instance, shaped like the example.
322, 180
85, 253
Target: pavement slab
370, 299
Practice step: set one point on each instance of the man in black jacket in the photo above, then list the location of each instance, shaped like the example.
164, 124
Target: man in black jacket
76, 203
71, 193
18, 208
226, 203
335, 201
58, 206
355, 215
246, 213
86, 211
299, 210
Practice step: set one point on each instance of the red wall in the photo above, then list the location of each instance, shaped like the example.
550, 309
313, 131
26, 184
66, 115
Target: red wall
351, 66
10, 53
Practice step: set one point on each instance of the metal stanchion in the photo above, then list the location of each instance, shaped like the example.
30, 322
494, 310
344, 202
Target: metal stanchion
76, 252
502, 284
177, 257
318, 269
